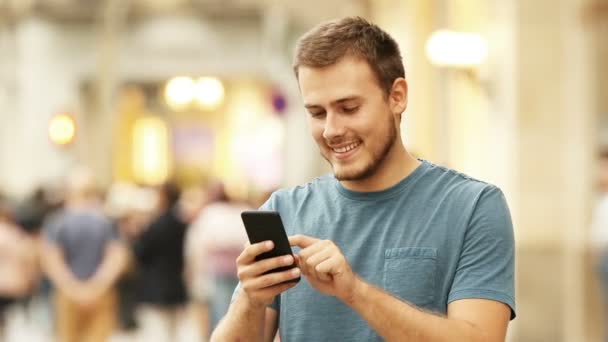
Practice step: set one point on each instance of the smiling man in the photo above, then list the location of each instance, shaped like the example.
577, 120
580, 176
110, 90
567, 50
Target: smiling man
390, 247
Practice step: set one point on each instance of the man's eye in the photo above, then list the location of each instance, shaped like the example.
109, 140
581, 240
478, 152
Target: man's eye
317, 114
350, 110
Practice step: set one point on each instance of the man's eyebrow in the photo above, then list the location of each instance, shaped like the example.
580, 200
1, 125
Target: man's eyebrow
311, 106
335, 102
346, 99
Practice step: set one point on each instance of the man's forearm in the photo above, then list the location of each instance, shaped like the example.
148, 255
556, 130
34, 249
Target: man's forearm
55, 267
113, 264
395, 320
242, 323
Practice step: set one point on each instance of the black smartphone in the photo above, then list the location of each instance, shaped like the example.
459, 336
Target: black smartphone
267, 225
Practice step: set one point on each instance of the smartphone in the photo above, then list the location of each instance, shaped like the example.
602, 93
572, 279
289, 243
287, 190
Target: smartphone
267, 225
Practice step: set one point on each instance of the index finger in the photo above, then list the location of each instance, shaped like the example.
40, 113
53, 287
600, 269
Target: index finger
249, 253
302, 241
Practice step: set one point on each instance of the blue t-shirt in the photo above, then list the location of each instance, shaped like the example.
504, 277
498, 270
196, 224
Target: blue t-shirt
435, 237
82, 235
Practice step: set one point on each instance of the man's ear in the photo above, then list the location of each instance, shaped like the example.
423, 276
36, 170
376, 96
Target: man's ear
398, 97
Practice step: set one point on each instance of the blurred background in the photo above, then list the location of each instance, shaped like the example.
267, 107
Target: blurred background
185, 112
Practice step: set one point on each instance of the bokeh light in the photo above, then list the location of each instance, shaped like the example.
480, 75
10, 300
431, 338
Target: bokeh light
456, 49
62, 129
209, 92
179, 92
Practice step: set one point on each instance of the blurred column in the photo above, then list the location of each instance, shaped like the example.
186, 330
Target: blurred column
102, 120
556, 146
579, 146
467, 127
7, 97
43, 86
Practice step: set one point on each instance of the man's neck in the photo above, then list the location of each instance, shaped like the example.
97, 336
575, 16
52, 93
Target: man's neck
81, 203
397, 165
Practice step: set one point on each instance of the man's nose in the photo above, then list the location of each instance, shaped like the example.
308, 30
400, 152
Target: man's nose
334, 127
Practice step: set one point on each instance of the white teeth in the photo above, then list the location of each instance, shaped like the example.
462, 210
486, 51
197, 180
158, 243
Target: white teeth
346, 148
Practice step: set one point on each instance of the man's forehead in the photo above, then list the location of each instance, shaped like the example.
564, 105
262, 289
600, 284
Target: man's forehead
345, 67
338, 82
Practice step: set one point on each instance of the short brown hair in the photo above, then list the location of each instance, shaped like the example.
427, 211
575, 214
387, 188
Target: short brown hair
328, 43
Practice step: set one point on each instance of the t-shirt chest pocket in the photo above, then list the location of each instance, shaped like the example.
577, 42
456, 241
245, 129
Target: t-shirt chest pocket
410, 273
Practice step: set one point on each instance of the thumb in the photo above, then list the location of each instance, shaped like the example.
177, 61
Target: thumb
296, 259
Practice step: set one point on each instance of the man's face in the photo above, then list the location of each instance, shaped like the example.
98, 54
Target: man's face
349, 116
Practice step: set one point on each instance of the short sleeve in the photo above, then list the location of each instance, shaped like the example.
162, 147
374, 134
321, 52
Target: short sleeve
51, 230
487, 262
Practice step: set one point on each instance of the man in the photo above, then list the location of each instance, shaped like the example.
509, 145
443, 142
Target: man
391, 247
83, 258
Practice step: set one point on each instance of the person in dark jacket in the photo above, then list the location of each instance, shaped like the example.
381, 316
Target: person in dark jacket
159, 252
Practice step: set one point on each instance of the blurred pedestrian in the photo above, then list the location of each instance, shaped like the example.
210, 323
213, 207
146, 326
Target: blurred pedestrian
217, 238
18, 264
83, 257
30, 215
130, 208
159, 252
599, 232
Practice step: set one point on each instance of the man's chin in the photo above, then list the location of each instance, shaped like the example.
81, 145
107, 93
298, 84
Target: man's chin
349, 175
348, 171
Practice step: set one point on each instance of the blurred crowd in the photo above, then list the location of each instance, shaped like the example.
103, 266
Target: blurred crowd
89, 262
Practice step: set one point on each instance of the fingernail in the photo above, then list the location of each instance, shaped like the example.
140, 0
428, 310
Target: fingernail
268, 244
295, 271
287, 260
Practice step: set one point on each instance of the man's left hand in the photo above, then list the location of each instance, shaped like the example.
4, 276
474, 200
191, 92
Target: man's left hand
325, 267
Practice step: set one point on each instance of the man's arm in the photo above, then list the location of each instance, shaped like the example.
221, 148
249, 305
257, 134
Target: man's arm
249, 318
467, 319
244, 322
54, 265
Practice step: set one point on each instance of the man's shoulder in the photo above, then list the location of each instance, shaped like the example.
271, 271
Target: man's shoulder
451, 182
321, 183
316, 188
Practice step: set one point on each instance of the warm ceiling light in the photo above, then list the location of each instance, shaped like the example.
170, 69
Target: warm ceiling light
179, 92
456, 49
209, 92
62, 129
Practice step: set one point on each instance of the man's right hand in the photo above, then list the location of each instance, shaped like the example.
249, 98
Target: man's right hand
259, 288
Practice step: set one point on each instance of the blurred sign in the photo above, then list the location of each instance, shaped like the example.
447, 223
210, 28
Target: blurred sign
193, 144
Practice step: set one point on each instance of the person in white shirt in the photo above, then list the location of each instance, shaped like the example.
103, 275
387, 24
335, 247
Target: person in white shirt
214, 241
